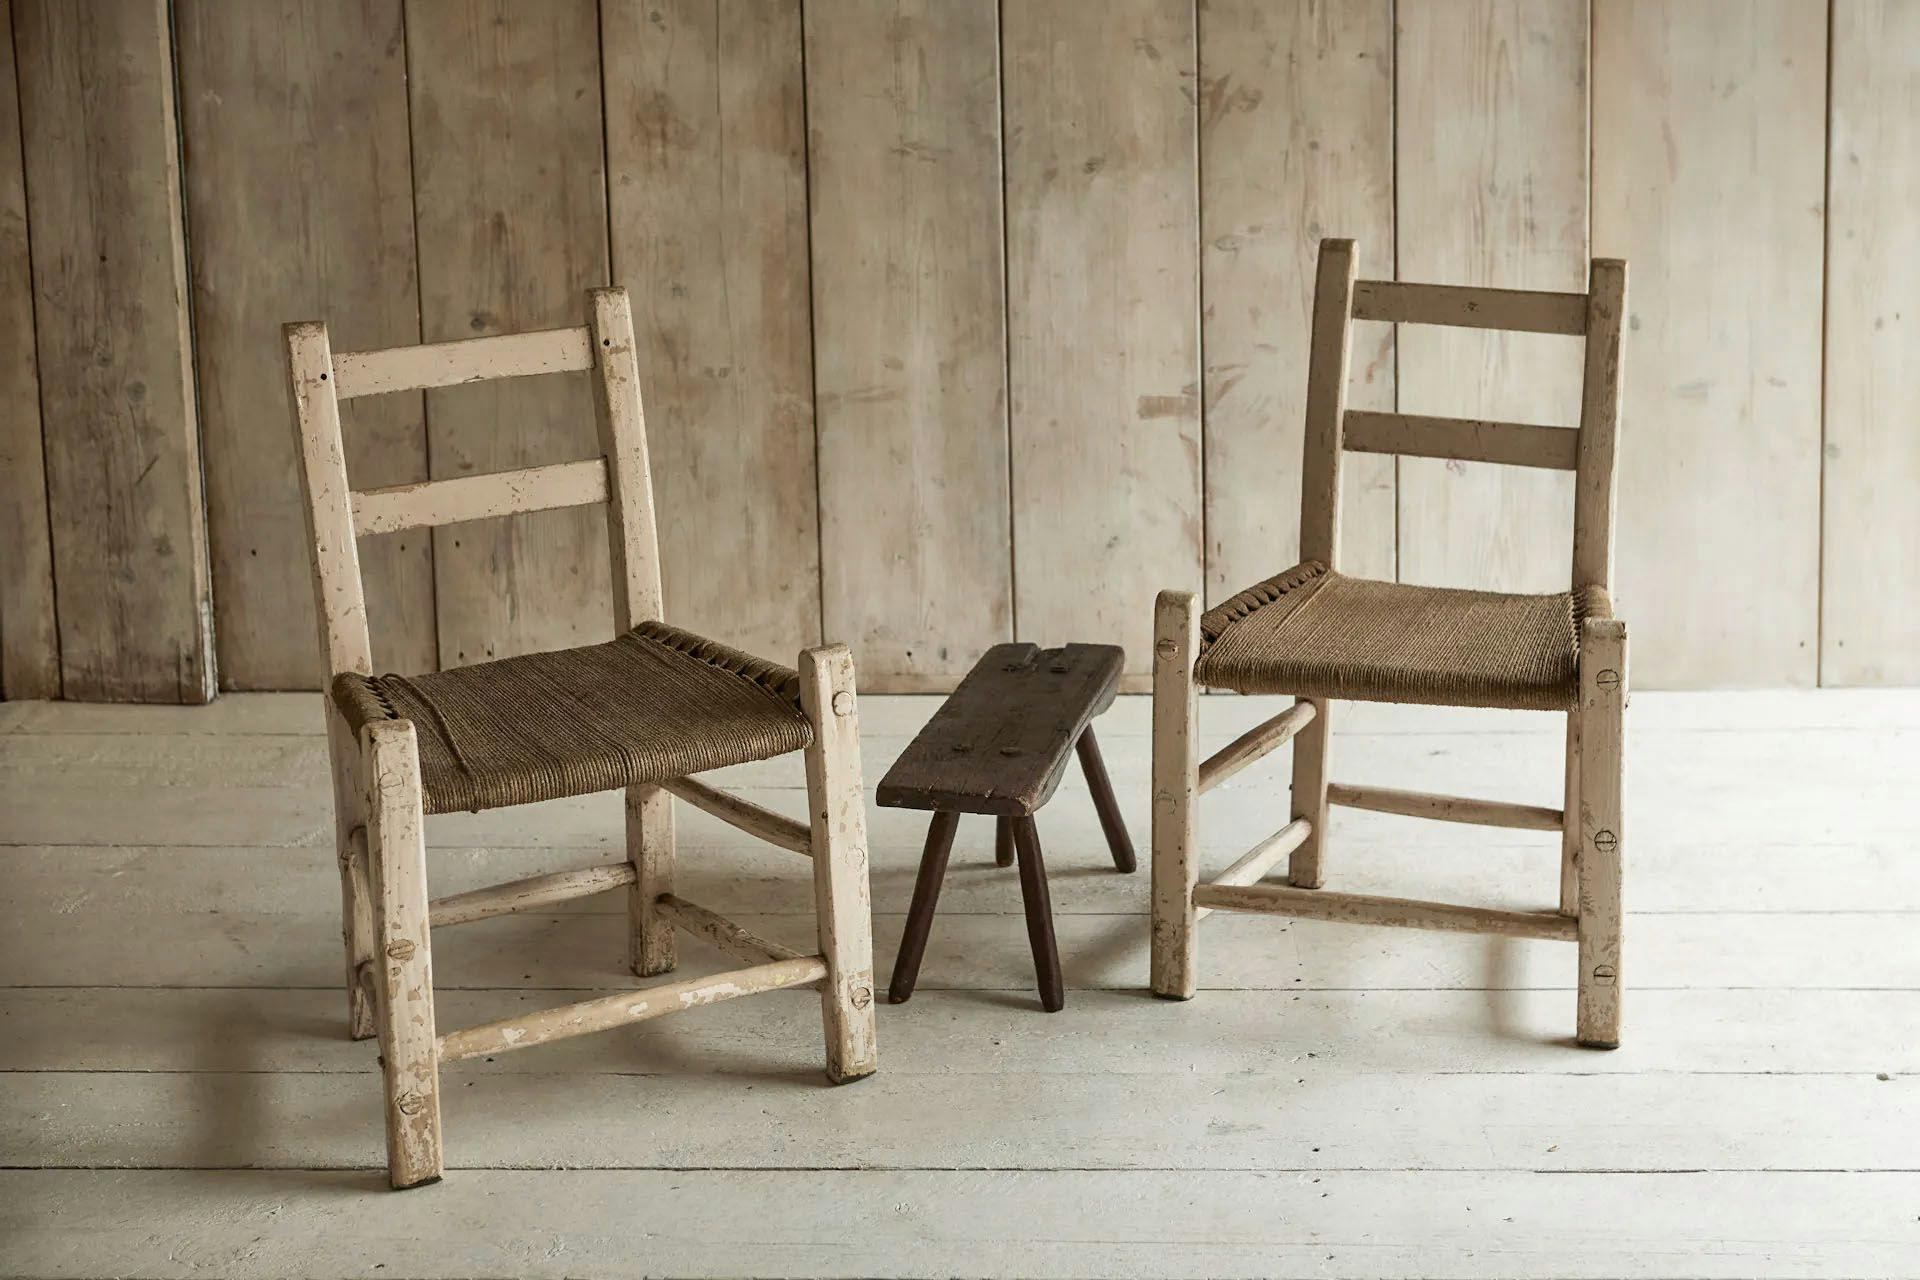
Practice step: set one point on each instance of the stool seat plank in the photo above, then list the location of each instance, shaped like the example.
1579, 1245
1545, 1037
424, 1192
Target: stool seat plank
1001, 743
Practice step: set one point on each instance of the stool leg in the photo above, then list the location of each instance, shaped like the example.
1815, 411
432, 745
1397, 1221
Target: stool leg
1033, 889
1118, 842
926, 895
1003, 842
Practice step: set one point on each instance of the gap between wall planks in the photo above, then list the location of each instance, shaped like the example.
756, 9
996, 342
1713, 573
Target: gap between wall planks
510, 207
1296, 142
300, 201
29, 642
1870, 581
100, 145
1492, 190
909, 314
708, 203
1708, 178
1102, 315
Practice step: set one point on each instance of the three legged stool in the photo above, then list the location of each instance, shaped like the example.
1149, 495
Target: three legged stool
999, 746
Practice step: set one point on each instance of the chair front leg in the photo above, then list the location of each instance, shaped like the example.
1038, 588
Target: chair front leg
350, 847
1602, 733
1176, 783
1306, 866
651, 948
403, 988
842, 901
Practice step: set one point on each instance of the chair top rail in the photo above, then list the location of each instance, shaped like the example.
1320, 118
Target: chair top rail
1513, 444
446, 364
498, 493
1466, 307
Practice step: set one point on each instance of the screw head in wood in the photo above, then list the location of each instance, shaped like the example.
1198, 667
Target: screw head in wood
1603, 973
411, 1104
861, 997
843, 703
1165, 648
1605, 841
401, 950
1608, 679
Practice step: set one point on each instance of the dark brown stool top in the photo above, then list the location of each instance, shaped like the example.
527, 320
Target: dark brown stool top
999, 746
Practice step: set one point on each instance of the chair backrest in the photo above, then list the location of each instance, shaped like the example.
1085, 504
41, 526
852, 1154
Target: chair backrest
337, 514
1588, 450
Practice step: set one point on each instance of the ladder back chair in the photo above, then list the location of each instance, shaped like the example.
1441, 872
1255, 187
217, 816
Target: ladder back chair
640, 713
1320, 635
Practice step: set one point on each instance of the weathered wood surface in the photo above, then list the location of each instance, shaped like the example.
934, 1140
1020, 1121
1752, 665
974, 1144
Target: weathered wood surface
1719, 513
122, 439
510, 201
708, 205
1102, 313
1001, 743
1470, 306
1511, 444
29, 641
1421, 804
1869, 585
1491, 190
299, 189
909, 314
1296, 143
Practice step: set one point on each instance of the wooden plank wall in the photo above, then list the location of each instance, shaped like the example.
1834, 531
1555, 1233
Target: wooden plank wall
118, 419
960, 320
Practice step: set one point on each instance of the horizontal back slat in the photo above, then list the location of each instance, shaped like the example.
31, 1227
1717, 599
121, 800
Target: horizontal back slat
500, 493
445, 364
1515, 444
1518, 310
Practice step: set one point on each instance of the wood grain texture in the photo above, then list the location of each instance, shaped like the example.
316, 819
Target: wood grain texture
1103, 274
29, 639
511, 221
1001, 743
1708, 163
299, 191
1491, 153
705, 124
100, 140
1296, 143
909, 315
1870, 587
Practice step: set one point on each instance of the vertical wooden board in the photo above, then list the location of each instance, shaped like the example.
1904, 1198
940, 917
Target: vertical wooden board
29, 645
1102, 310
706, 130
1871, 579
1491, 156
1296, 143
909, 315
308, 100
100, 139
510, 210
1709, 153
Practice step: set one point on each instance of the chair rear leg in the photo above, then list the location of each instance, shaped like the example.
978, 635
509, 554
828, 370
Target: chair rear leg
403, 986
1603, 692
350, 846
1305, 868
1570, 822
842, 902
651, 949
1176, 782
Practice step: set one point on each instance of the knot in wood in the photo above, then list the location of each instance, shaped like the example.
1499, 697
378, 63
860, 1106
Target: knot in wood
1605, 841
401, 950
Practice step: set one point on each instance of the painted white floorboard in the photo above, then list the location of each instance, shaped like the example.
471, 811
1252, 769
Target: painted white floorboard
177, 1097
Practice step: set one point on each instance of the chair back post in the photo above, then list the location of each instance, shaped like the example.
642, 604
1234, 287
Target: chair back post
632, 534
1326, 403
1596, 468
339, 597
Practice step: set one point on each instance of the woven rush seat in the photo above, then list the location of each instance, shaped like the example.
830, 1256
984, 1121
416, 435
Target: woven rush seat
654, 704
1317, 633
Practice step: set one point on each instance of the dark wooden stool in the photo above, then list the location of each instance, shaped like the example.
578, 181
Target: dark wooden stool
999, 746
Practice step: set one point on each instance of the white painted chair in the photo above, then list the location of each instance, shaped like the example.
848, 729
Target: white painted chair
1320, 635
639, 713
